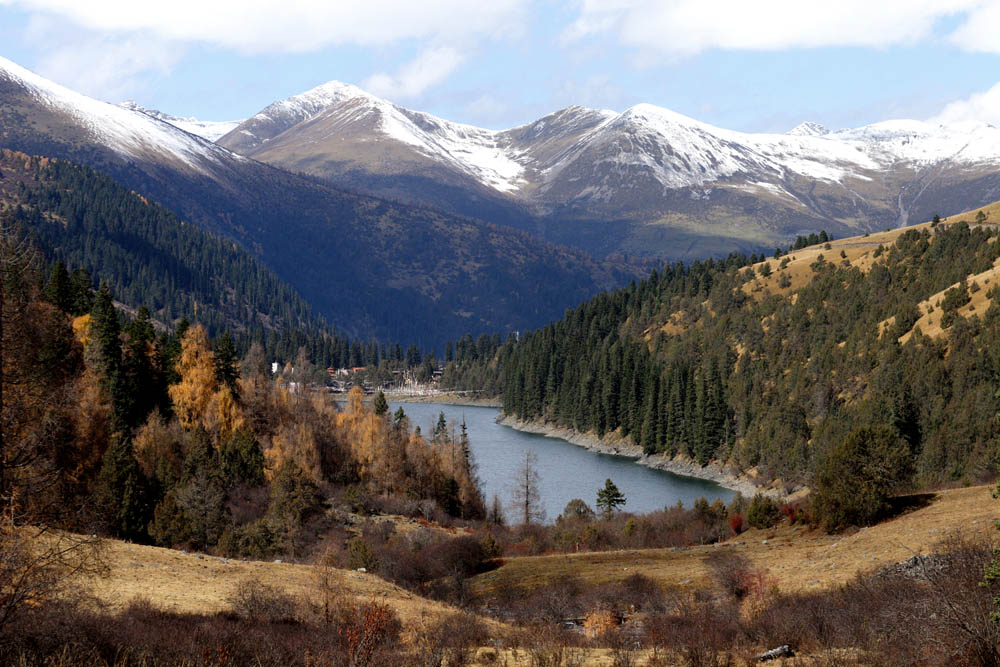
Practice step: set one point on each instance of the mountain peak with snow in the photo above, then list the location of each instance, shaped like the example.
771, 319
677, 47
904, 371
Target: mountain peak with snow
126, 131
808, 129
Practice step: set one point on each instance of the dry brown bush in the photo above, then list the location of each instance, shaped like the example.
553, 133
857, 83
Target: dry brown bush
259, 602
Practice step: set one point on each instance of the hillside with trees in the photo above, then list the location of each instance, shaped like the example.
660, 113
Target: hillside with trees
169, 438
776, 364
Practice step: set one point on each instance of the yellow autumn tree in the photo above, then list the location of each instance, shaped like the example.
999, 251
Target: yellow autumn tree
224, 416
81, 329
192, 395
367, 436
198, 398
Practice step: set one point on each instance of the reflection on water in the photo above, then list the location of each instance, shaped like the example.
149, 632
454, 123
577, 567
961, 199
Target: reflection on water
567, 471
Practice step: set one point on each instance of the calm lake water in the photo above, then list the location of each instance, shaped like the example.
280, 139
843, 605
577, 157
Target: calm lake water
566, 470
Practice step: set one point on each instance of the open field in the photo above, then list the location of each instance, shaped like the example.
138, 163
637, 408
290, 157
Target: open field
799, 558
196, 583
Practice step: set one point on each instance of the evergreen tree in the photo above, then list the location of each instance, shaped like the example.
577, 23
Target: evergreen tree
226, 363
122, 490
380, 406
609, 499
59, 290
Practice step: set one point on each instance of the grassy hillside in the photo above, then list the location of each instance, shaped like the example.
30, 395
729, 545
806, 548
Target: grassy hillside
799, 558
797, 562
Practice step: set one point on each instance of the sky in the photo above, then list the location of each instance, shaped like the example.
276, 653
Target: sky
761, 66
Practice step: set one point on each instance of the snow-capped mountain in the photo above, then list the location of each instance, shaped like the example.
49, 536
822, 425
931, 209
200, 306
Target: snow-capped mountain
644, 167
129, 133
207, 129
338, 121
377, 268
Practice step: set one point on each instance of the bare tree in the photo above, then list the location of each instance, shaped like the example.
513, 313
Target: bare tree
527, 500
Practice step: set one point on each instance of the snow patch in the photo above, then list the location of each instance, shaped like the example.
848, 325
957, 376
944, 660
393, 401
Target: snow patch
212, 130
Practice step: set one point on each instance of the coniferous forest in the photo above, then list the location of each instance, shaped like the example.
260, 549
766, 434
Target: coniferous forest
694, 362
91, 229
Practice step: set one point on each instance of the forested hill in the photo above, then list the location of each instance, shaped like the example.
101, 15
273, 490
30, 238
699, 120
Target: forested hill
89, 222
770, 364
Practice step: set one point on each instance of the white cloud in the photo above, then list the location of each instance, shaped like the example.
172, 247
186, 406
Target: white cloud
290, 26
428, 69
977, 108
685, 27
979, 32
106, 66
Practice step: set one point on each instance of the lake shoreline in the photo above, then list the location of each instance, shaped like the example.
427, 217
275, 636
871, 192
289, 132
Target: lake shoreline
614, 445
445, 399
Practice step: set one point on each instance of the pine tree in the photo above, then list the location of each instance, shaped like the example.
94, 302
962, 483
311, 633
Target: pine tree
609, 499
81, 291
122, 490
59, 290
380, 406
226, 369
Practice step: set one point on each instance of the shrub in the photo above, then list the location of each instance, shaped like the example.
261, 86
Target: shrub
736, 523
256, 601
361, 555
764, 511
576, 509
855, 480
368, 630
792, 511
729, 570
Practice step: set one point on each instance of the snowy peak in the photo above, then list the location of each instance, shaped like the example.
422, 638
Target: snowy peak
311, 102
128, 132
284, 114
206, 129
584, 157
808, 129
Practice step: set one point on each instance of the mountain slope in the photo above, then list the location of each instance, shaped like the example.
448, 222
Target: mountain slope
646, 181
768, 366
146, 255
206, 129
374, 267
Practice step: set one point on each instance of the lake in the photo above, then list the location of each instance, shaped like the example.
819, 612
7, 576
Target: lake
567, 471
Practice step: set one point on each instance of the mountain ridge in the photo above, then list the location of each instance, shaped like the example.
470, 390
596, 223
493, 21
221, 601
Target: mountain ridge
373, 267
206, 129
627, 179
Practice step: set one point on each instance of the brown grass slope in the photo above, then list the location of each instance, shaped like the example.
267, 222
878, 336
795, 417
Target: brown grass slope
798, 557
196, 583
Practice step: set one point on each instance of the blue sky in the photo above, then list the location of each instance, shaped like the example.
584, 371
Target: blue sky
753, 66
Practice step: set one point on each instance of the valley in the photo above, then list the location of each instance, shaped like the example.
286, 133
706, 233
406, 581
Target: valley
340, 382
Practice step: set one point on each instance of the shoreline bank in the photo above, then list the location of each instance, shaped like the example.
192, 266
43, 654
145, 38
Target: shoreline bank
614, 445
446, 399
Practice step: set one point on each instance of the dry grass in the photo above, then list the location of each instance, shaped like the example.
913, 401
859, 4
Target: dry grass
799, 558
930, 319
195, 583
